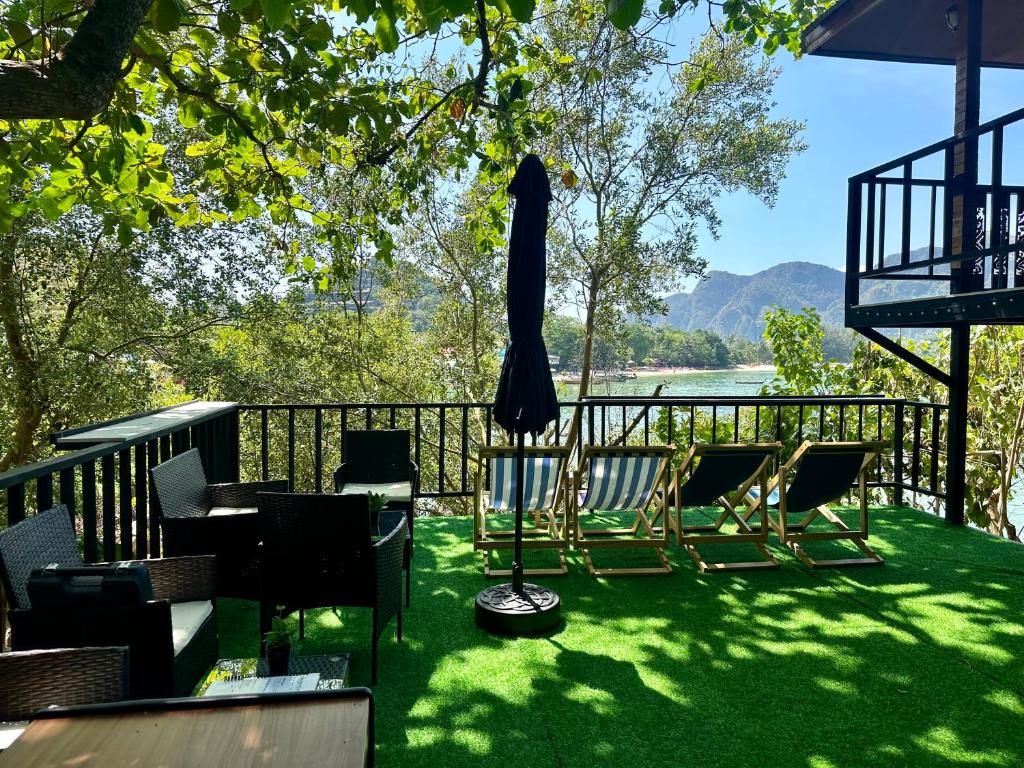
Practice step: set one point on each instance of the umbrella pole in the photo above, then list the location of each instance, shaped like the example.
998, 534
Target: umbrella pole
517, 559
518, 608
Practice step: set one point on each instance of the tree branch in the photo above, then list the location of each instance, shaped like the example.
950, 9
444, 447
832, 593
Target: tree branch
79, 81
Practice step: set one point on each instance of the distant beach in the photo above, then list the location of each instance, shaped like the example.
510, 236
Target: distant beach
653, 373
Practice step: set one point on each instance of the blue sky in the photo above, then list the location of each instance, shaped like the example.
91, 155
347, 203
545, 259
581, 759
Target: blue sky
859, 114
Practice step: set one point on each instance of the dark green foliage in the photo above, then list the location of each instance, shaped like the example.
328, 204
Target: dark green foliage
642, 344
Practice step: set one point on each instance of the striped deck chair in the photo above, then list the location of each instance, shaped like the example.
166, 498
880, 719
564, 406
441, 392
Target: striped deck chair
720, 475
622, 479
816, 475
543, 499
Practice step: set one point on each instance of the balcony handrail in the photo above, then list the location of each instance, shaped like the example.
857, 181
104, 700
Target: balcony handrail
941, 145
76, 457
587, 400
981, 253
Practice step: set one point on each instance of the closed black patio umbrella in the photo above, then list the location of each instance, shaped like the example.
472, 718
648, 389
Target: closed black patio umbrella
525, 402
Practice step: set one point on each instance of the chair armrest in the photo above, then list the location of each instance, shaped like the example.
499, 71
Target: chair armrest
34, 680
414, 477
243, 494
339, 477
183, 579
388, 554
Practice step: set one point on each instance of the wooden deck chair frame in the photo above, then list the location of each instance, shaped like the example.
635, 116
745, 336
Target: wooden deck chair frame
794, 535
690, 536
647, 513
550, 526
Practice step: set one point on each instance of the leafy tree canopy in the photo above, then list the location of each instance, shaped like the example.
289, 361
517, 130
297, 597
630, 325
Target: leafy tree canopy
267, 93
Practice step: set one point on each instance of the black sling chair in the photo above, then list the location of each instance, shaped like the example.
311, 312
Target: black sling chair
821, 474
722, 475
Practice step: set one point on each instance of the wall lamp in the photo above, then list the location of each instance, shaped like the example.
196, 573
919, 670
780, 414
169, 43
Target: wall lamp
953, 17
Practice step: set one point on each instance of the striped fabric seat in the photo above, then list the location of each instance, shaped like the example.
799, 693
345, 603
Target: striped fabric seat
541, 474
620, 482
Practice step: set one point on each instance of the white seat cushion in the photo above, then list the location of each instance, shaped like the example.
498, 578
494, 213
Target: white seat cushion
222, 511
186, 619
9, 731
391, 491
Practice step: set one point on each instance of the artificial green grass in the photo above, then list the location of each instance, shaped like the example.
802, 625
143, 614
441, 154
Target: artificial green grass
915, 663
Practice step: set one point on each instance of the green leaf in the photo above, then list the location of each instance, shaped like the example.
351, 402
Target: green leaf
124, 234
433, 13
276, 12
625, 13
136, 123
363, 126
229, 24
361, 9
386, 33
20, 32
166, 16
522, 10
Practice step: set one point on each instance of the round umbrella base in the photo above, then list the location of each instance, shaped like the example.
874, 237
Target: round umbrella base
500, 611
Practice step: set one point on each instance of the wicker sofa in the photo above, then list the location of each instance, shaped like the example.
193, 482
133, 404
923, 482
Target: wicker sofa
172, 640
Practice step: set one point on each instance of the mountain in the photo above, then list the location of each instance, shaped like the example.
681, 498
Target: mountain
734, 305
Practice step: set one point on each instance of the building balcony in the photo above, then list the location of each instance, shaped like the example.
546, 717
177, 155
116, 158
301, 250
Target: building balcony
921, 221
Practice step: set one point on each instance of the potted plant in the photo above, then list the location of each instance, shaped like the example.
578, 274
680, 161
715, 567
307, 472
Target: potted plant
377, 503
278, 643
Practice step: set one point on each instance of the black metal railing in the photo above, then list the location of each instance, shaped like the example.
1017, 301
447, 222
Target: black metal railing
303, 443
927, 208
106, 486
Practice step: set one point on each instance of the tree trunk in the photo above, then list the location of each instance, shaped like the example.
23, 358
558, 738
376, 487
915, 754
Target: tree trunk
30, 402
588, 336
78, 82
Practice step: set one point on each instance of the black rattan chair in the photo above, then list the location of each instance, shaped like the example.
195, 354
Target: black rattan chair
34, 680
318, 551
172, 640
201, 519
377, 461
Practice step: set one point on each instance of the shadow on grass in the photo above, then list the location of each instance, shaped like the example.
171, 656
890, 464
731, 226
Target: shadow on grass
916, 663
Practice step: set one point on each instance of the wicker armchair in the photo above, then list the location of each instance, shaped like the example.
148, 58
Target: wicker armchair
201, 519
318, 552
377, 461
172, 640
34, 680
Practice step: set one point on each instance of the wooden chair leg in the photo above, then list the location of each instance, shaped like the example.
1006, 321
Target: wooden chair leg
493, 573
664, 570
870, 556
768, 561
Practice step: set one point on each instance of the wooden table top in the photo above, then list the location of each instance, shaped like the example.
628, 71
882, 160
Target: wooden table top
299, 730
